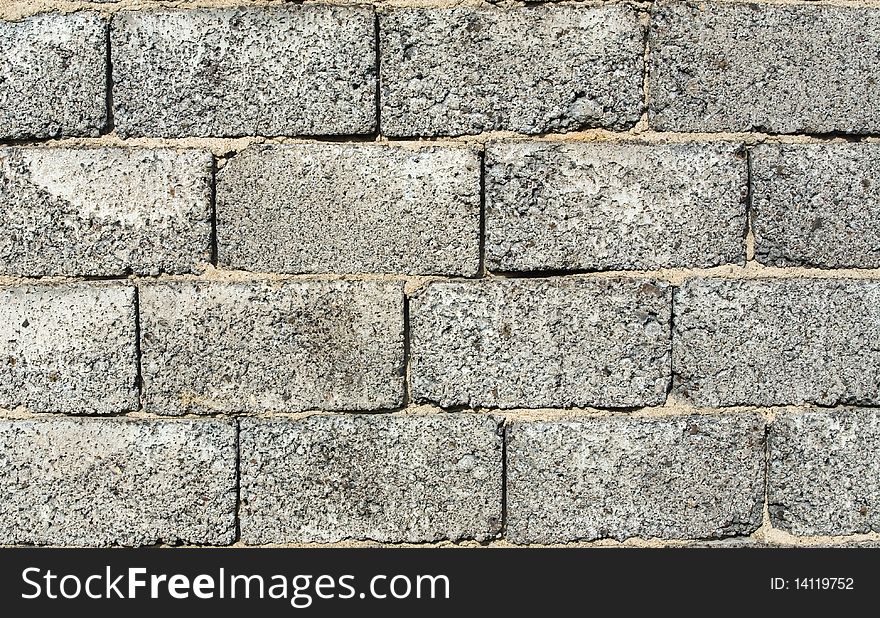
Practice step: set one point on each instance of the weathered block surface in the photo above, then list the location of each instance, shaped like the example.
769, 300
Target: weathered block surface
532, 70
53, 75
816, 205
68, 348
823, 472
117, 481
351, 208
730, 66
541, 343
614, 206
385, 478
271, 346
104, 211
771, 342
682, 477
297, 70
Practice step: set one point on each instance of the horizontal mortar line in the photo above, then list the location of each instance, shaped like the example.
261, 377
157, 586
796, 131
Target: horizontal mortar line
22, 413
810, 3
212, 274
676, 276
778, 538
126, 5
412, 283
221, 145
671, 409
13, 11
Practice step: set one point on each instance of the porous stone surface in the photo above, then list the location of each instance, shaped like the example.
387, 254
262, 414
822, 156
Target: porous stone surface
384, 478
211, 347
731, 66
771, 342
104, 211
529, 343
53, 75
601, 206
533, 70
674, 478
823, 472
293, 70
68, 348
115, 481
351, 208
816, 205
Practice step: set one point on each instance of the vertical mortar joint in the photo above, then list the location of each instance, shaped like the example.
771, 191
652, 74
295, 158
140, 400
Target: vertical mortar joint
110, 121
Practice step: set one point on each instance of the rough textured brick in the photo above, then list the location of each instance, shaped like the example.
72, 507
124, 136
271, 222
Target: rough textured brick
682, 477
777, 341
53, 75
823, 472
533, 70
386, 478
104, 211
68, 348
614, 206
351, 208
541, 343
117, 481
245, 71
816, 205
730, 66
271, 346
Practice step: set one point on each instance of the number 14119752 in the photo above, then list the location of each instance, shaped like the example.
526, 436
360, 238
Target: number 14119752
812, 583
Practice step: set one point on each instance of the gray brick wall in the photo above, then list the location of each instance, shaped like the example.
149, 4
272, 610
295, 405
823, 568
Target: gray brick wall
490, 273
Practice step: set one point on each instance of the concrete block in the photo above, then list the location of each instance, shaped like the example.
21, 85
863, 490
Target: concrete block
531, 343
116, 481
264, 346
53, 76
684, 477
68, 348
823, 472
594, 206
775, 68
351, 208
104, 211
533, 70
385, 478
292, 70
768, 342
816, 205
